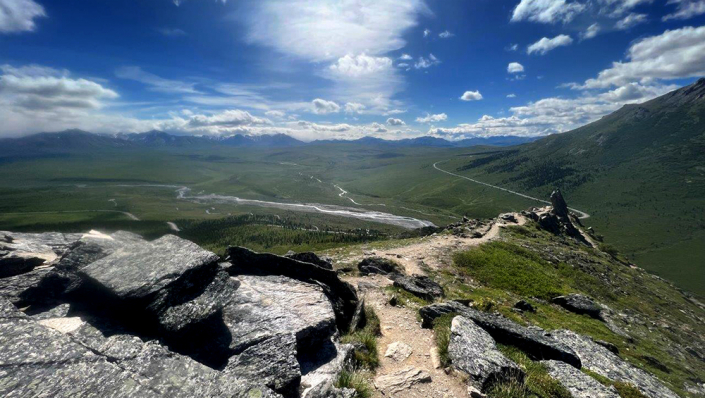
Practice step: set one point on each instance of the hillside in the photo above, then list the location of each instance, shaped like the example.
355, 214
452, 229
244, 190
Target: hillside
519, 306
638, 171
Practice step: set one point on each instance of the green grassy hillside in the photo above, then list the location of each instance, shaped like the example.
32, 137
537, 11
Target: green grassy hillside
640, 173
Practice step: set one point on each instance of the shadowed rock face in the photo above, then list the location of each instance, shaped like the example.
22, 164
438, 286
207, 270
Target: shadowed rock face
473, 350
263, 318
558, 203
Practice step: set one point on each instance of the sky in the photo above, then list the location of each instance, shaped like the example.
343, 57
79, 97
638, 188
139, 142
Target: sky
339, 69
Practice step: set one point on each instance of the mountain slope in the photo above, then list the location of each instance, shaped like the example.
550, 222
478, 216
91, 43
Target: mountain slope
640, 171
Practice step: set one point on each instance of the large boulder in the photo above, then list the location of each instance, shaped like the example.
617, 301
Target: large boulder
579, 384
341, 294
39, 360
579, 304
530, 340
473, 351
605, 363
418, 285
138, 271
378, 265
397, 382
22, 252
560, 208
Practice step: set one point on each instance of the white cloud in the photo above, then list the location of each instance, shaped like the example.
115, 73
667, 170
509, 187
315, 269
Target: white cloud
512, 47
432, 118
19, 15
354, 107
673, 54
395, 122
630, 21
511, 95
424, 63
445, 35
590, 32
324, 30
276, 114
426, 32
546, 11
552, 115
406, 57
394, 112
686, 9
515, 67
617, 8
471, 96
545, 44
323, 107
351, 66
227, 119
37, 88
155, 82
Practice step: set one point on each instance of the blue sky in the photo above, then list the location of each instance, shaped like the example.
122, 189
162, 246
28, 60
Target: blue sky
319, 69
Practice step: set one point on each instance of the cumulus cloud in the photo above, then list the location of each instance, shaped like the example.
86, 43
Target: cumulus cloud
445, 35
686, 9
230, 118
471, 96
426, 32
546, 11
511, 95
45, 89
19, 15
321, 30
354, 107
545, 45
323, 107
360, 65
395, 122
276, 114
673, 54
630, 21
432, 118
406, 57
515, 67
155, 83
552, 115
424, 63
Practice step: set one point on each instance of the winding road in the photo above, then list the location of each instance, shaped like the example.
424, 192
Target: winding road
581, 214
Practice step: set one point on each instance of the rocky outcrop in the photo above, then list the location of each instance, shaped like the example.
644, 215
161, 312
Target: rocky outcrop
605, 363
38, 360
267, 319
418, 285
557, 218
579, 384
533, 341
473, 351
379, 265
580, 305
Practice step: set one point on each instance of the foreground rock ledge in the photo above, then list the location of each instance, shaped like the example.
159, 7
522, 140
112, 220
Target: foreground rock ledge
116, 315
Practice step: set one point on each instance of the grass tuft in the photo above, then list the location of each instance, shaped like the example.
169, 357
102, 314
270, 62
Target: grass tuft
441, 332
355, 381
537, 382
365, 342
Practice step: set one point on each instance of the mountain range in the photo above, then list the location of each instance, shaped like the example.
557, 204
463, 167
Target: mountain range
77, 140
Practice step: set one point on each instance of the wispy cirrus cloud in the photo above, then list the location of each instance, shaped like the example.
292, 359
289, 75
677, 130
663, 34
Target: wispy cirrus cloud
19, 15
